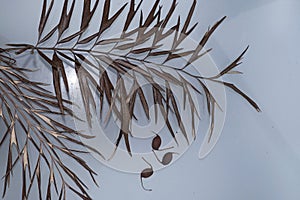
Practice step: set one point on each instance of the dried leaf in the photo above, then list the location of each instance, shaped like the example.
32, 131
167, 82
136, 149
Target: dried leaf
87, 14
115, 40
203, 41
237, 90
171, 97
44, 16
132, 12
106, 22
65, 19
234, 64
126, 119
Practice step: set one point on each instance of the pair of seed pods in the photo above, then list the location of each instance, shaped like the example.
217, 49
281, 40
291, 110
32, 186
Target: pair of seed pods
167, 159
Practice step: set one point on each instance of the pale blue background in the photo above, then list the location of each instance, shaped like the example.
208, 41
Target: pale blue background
258, 155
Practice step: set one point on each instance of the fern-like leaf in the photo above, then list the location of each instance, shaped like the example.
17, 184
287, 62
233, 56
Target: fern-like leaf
135, 54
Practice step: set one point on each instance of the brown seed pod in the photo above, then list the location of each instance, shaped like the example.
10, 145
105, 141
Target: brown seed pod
146, 173
156, 142
167, 158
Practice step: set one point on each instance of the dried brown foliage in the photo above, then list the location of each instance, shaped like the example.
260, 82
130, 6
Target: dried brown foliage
32, 136
130, 57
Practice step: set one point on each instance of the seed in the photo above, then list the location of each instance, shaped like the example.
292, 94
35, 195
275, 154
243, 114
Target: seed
167, 158
156, 142
146, 173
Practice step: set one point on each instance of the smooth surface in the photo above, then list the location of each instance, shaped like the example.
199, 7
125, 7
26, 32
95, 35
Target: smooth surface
258, 154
